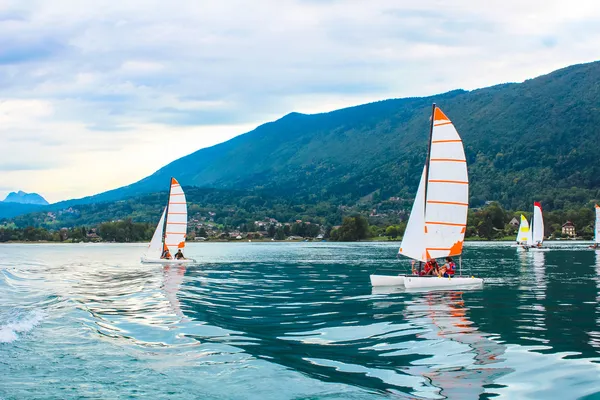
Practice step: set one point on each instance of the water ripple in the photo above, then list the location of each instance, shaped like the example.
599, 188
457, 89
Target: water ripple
295, 321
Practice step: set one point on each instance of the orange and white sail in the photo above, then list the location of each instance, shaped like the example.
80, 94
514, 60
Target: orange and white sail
176, 221
171, 230
442, 198
447, 199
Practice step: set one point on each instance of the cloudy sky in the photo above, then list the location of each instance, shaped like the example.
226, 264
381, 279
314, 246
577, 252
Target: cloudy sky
96, 95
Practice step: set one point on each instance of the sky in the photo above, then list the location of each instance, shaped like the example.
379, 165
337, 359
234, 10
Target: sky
97, 95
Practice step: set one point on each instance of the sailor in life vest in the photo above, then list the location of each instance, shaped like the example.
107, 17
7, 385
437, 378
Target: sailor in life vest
430, 268
448, 269
166, 254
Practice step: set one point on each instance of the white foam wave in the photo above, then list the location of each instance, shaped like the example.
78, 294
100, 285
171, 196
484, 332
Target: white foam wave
9, 332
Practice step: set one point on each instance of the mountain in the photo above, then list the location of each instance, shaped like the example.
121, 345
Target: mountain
19, 203
524, 141
25, 198
534, 140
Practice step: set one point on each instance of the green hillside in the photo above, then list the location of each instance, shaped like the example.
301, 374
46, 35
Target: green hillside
9, 210
223, 207
531, 140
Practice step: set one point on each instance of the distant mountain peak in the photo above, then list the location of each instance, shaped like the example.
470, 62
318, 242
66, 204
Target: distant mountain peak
25, 198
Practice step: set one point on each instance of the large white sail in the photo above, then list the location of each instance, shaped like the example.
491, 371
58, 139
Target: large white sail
155, 248
176, 222
447, 194
538, 224
438, 220
413, 241
597, 225
523, 234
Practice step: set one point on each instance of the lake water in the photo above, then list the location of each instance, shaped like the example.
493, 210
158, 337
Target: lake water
295, 321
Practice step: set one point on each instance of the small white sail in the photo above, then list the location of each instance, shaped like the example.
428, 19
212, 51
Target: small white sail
597, 226
413, 240
155, 248
523, 234
176, 225
538, 224
447, 200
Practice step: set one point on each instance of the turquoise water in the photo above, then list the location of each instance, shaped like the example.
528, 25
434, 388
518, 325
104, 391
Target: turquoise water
294, 321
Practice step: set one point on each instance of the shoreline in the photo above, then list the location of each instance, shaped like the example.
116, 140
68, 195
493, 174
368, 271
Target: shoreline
286, 241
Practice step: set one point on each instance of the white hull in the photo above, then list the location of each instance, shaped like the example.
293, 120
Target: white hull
387, 280
147, 260
414, 282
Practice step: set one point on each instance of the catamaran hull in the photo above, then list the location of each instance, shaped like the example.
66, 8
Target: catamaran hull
415, 282
146, 260
387, 280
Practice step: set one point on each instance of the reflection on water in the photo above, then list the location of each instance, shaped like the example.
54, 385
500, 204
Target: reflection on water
295, 321
172, 280
462, 359
595, 334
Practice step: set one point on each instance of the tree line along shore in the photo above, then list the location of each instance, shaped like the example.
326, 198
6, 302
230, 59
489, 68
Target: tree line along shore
490, 222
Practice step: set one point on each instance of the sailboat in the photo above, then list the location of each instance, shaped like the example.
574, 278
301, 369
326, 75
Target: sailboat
524, 233
537, 227
438, 219
171, 230
596, 244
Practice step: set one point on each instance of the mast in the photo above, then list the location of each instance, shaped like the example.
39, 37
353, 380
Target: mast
164, 234
427, 161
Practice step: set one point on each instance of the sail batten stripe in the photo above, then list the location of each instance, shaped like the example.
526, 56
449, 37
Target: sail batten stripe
448, 181
177, 213
448, 159
445, 223
443, 123
447, 141
453, 203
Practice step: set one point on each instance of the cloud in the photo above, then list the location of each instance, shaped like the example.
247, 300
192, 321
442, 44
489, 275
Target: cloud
103, 87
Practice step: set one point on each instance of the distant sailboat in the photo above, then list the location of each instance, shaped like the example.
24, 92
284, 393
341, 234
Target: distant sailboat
524, 233
537, 226
171, 230
596, 244
438, 219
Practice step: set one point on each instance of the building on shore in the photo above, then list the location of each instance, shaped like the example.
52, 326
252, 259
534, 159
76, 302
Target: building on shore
569, 229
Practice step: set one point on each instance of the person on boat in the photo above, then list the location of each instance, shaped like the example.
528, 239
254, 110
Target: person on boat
179, 255
430, 268
448, 269
166, 255
414, 269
